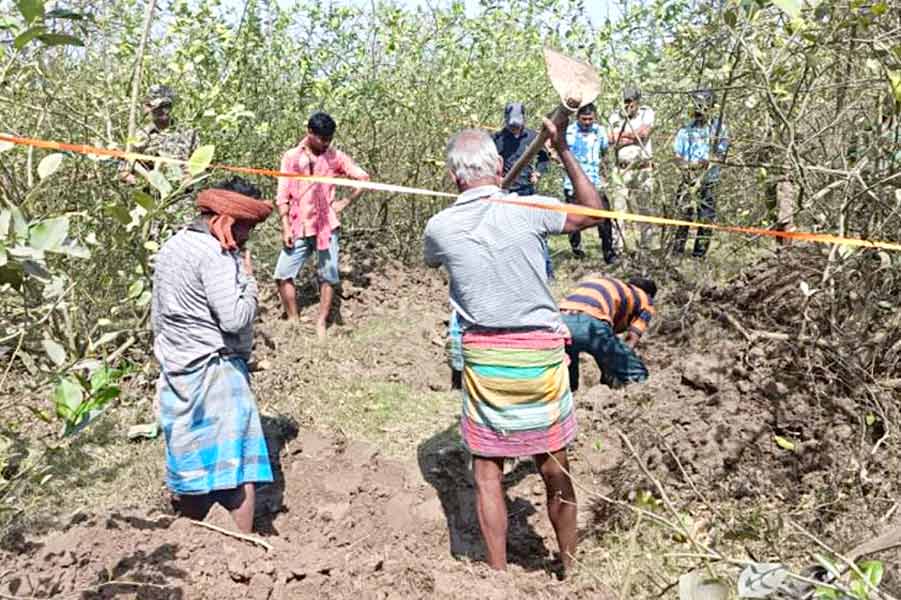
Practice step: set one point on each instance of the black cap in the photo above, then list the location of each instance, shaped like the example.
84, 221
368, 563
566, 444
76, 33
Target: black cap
515, 115
703, 99
631, 93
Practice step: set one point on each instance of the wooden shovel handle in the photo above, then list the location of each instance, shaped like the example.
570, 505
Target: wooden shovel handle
560, 116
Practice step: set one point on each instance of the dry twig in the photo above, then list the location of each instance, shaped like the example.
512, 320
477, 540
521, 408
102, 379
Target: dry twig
235, 534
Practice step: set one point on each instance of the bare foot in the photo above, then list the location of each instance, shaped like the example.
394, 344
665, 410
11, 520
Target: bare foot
320, 329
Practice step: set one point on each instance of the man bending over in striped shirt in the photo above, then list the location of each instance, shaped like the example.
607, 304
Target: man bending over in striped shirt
596, 311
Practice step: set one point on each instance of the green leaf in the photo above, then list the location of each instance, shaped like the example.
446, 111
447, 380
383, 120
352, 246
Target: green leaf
859, 589
49, 234
159, 182
870, 419
144, 200
49, 164
26, 36
65, 13
784, 443
872, 571
151, 246
68, 396
104, 395
101, 378
730, 18
200, 159
55, 351
135, 289
60, 39
790, 7
31, 9
144, 299
824, 593
119, 213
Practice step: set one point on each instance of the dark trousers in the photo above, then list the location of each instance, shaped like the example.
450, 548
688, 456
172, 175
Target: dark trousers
619, 364
706, 212
605, 229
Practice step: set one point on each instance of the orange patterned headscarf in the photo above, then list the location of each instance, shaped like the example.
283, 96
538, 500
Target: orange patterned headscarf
227, 208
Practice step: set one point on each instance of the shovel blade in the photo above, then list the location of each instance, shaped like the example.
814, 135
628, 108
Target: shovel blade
576, 82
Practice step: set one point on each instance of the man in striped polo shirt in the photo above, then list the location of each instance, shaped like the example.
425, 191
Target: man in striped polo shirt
596, 311
516, 398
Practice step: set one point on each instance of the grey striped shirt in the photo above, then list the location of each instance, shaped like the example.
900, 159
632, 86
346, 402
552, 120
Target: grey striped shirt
203, 302
494, 254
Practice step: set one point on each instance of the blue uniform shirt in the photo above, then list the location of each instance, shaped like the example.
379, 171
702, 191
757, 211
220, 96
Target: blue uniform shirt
696, 141
589, 146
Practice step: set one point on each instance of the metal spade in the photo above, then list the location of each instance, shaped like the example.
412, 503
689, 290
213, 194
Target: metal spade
577, 83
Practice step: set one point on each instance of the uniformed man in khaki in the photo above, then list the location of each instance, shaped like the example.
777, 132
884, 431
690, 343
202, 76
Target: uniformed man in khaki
632, 184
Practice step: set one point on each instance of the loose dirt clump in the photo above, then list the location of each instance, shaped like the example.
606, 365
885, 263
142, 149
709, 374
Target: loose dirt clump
342, 521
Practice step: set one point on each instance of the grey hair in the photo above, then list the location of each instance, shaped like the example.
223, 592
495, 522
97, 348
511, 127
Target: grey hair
471, 155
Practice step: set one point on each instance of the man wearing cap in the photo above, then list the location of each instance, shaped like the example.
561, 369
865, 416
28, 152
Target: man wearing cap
160, 137
202, 312
588, 141
309, 214
511, 143
630, 136
698, 146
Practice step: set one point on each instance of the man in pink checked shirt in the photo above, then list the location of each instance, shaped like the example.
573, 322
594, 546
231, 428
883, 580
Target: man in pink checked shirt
309, 214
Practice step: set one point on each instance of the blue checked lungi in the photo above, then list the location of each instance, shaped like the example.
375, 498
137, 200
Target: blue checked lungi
454, 346
214, 439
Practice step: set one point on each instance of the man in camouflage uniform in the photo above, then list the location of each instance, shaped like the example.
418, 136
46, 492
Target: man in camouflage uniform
160, 137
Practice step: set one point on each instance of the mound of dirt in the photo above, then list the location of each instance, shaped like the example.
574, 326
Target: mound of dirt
728, 430
342, 522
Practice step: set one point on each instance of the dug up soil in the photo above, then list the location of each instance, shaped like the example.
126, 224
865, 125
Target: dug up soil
752, 458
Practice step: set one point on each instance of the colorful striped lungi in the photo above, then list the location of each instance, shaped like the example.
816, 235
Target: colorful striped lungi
214, 439
516, 398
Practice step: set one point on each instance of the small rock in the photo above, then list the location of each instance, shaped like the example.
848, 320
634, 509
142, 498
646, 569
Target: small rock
842, 432
775, 390
697, 373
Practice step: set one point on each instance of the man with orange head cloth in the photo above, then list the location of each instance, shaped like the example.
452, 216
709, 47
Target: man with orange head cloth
204, 305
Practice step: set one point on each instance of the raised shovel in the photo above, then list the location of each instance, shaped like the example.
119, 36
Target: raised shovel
577, 83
